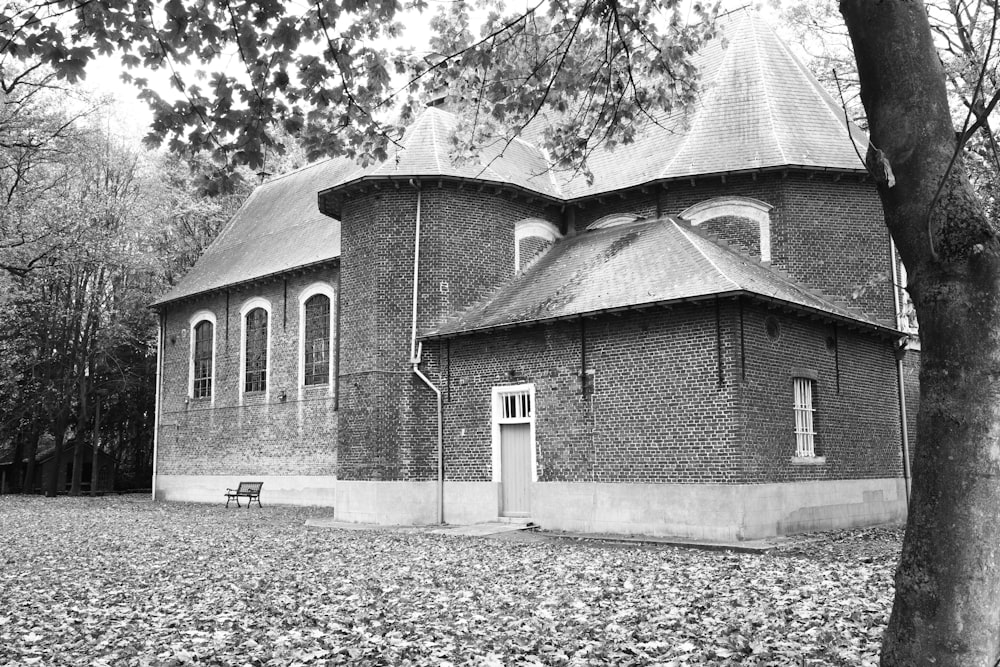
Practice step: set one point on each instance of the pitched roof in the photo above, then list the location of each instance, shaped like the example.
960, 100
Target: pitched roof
759, 108
624, 267
278, 227
426, 151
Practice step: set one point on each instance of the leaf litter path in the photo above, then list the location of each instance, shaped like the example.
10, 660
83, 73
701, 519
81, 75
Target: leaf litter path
124, 581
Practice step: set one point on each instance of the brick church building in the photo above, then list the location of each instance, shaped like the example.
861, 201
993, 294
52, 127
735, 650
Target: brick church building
700, 342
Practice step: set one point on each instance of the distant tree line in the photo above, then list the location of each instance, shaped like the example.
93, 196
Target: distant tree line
92, 229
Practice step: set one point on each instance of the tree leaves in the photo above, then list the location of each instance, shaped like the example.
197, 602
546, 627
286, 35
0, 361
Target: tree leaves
131, 582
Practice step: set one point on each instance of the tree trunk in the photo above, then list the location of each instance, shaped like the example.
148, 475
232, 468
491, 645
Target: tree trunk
95, 466
947, 606
81, 424
52, 486
28, 485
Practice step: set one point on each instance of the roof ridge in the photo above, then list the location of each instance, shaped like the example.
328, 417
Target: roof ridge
694, 114
819, 91
768, 101
704, 254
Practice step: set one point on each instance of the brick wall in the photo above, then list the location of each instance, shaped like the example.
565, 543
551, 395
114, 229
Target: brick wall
387, 428
740, 232
856, 400
654, 413
827, 232
530, 248
657, 412
264, 435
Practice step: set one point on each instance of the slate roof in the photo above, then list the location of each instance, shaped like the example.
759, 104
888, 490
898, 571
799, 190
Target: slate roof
279, 227
639, 264
426, 151
759, 108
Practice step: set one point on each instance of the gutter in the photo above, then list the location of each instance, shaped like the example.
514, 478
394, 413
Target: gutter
415, 355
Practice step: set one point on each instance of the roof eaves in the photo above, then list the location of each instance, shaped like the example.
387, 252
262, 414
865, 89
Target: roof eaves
502, 184
157, 305
860, 322
662, 181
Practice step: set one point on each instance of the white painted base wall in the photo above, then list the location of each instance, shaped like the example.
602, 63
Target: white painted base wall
715, 512
718, 512
277, 489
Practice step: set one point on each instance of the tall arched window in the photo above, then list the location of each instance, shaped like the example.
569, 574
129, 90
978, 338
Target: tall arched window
317, 303
201, 371
317, 340
204, 335
255, 359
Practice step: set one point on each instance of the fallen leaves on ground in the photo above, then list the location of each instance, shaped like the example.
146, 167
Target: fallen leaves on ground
124, 581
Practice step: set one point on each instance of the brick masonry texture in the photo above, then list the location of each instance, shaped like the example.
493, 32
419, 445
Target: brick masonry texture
467, 250
827, 232
657, 411
531, 248
856, 401
691, 394
739, 232
297, 436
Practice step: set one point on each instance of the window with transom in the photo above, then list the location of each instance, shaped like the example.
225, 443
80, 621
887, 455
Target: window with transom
316, 346
255, 364
203, 353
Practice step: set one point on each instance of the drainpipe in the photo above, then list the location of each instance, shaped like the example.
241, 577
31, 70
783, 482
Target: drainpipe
160, 333
900, 353
417, 352
440, 436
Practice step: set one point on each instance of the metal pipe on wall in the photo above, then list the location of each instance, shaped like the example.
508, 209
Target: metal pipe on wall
415, 355
160, 335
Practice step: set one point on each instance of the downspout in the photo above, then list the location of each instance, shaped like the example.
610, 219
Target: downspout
160, 333
440, 435
900, 353
415, 355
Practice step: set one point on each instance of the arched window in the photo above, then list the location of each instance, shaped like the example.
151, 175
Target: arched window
316, 335
255, 350
317, 340
204, 332
201, 371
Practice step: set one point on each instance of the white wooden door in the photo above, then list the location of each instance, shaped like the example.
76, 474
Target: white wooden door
515, 470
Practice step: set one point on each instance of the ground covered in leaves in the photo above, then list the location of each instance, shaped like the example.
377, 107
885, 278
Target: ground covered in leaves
124, 581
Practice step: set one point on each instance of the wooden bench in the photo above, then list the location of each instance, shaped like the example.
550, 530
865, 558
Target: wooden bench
248, 490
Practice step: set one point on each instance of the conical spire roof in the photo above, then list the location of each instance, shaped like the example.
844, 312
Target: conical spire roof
760, 108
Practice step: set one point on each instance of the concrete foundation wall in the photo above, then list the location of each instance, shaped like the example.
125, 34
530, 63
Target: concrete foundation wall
386, 503
717, 511
318, 490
